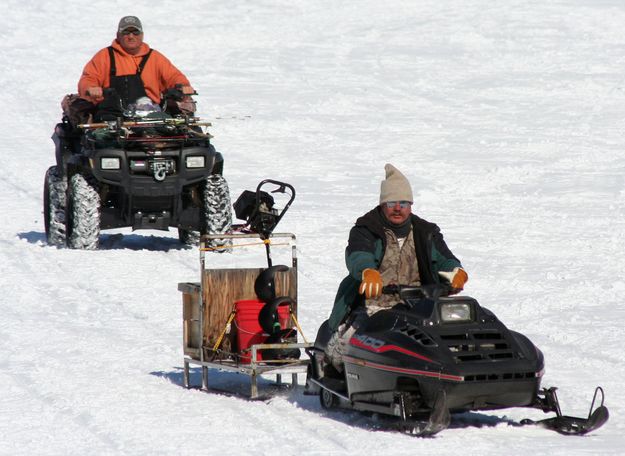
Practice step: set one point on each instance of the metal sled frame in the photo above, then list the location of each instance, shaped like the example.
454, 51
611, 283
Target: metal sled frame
230, 362
253, 369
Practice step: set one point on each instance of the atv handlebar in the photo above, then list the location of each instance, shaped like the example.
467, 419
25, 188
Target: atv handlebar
177, 93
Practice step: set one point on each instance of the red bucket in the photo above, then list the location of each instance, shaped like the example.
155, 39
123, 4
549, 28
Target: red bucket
249, 331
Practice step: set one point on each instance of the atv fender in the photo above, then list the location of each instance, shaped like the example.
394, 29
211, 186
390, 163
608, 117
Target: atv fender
218, 163
65, 140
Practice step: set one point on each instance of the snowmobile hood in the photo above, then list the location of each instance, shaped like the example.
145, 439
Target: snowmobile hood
426, 335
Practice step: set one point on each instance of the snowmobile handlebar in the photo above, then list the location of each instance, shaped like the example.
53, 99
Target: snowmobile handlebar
412, 291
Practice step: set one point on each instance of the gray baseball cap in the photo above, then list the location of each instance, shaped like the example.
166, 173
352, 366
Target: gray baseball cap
127, 22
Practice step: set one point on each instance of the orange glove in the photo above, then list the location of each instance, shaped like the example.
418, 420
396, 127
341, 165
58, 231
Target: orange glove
457, 278
371, 285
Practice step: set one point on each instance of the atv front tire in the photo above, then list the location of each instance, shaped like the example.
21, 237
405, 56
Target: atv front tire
217, 211
54, 196
83, 208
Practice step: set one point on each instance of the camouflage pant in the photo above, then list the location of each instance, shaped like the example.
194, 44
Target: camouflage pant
339, 340
337, 345
399, 266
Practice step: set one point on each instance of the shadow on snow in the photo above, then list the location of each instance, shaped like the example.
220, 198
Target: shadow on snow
229, 384
237, 386
119, 241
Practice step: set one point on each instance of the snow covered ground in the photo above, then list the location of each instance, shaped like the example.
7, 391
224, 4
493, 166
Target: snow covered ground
506, 116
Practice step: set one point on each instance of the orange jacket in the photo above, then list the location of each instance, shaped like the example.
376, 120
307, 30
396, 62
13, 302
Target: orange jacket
158, 74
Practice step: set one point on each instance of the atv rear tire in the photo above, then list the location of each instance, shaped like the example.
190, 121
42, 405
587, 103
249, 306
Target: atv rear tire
54, 199
188, 237
217, 211
83, 209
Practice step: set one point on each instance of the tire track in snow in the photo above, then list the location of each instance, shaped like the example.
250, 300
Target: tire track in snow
83, 420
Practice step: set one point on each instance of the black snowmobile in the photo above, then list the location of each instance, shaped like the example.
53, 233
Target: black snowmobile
141, 166
433, 355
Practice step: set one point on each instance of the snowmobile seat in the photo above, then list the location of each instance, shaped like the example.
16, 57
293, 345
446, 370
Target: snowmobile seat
323, 336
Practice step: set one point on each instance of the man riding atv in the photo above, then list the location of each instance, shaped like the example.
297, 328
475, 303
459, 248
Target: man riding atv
131, 153
388, 246
134, 71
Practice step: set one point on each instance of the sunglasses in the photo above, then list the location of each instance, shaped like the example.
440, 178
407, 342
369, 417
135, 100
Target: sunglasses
135, 32
402, 204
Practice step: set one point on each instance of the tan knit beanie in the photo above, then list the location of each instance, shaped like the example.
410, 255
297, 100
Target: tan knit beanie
395, 187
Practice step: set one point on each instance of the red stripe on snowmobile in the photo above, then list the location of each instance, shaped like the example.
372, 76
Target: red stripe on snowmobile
438, 375
384, 348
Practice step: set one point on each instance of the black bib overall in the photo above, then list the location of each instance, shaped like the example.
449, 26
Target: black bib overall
126, 89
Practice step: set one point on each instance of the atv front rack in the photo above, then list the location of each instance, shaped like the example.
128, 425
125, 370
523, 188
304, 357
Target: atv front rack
118, 125
151, 134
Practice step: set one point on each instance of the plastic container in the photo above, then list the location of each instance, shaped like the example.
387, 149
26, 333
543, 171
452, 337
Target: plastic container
249, 331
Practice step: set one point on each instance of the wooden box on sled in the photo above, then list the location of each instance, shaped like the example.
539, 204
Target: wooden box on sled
207, 306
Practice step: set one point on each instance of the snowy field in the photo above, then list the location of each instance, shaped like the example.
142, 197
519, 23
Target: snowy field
506, 116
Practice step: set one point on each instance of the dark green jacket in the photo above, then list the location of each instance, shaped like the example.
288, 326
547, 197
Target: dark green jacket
366, 247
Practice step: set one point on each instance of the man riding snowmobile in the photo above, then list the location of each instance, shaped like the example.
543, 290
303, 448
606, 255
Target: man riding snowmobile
408, 348
388, 246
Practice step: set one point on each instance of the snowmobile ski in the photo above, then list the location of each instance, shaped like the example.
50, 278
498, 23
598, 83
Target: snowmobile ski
571, 425
438, 420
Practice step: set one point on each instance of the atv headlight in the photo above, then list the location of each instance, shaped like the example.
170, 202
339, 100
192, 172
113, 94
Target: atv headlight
453, 312
109, 163
195, 161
